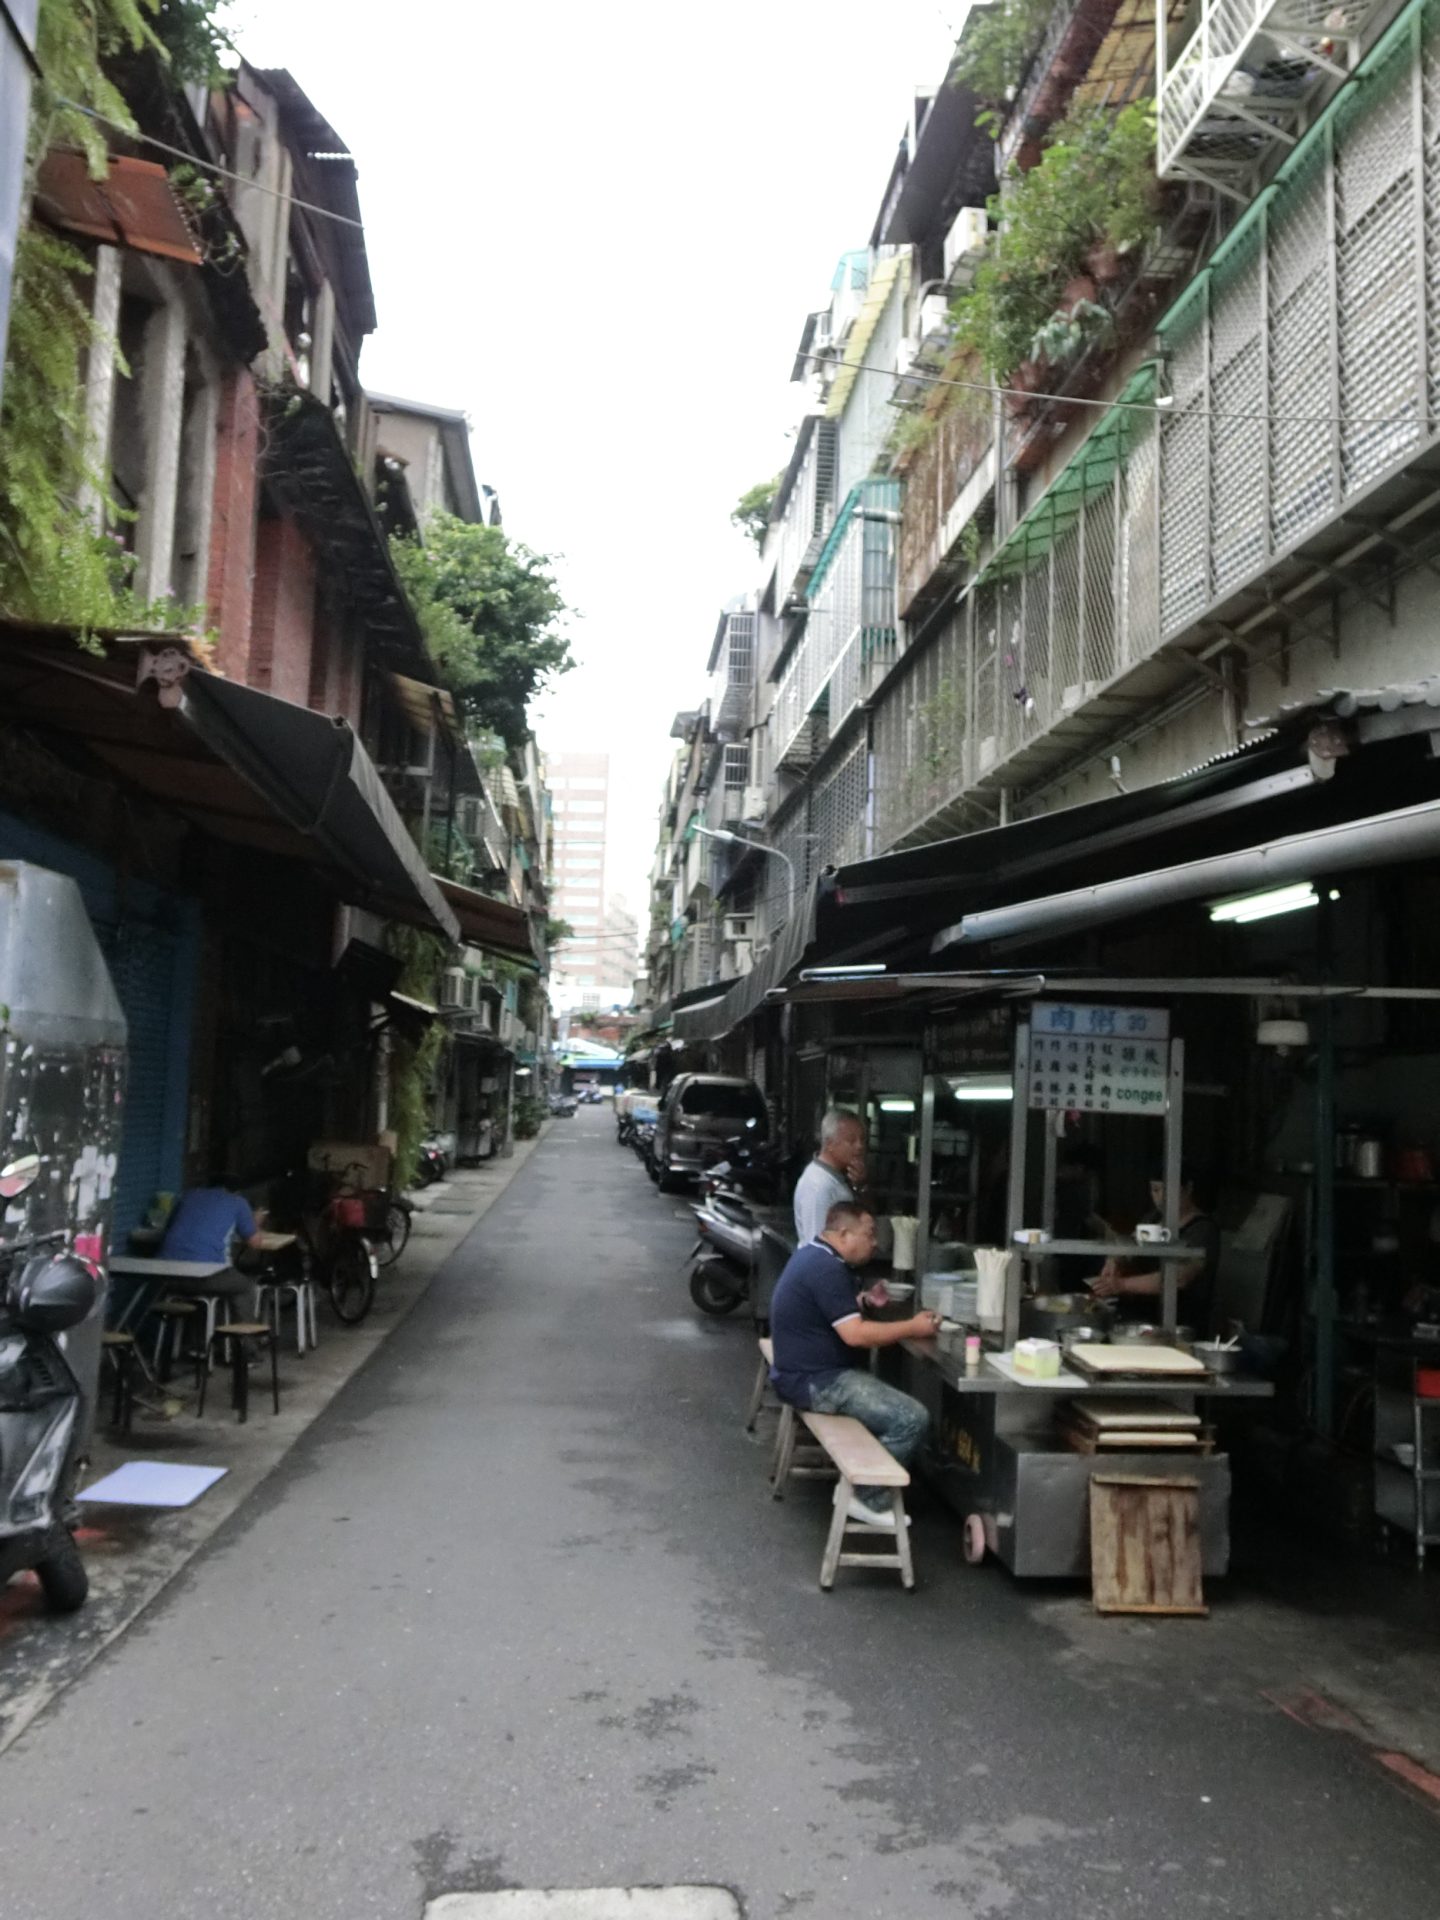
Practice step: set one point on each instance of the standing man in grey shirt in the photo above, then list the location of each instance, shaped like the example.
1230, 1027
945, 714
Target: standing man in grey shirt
834, 1175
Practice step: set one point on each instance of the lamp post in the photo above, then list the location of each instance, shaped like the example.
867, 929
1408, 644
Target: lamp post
739, 840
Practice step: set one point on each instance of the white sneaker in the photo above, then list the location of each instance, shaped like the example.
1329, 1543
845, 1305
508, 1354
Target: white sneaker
869, 1517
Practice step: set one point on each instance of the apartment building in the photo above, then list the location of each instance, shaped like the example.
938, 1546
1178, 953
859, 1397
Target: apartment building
579, 785
997, 584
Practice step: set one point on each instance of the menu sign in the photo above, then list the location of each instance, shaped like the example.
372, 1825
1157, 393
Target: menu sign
1093, 1059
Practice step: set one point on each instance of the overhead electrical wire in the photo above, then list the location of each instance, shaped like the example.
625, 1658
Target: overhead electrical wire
991, 389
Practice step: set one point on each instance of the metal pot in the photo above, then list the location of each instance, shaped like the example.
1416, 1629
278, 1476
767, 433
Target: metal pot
1137, 1333
1049, 1316
1220, 1359
1089, 1335
1370, 1159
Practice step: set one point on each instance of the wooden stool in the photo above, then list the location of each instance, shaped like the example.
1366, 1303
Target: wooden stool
239, 1333
173, 1316
762, 1384
120, 1348
861, 1461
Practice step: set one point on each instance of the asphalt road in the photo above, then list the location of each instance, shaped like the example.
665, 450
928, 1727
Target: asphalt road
516, 1613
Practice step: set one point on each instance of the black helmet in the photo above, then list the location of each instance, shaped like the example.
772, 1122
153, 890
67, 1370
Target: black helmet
53, 1291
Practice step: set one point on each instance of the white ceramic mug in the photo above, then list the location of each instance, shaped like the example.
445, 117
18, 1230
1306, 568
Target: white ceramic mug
1151, 1234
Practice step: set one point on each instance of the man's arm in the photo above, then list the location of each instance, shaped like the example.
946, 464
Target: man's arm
1144, 1283
857, 1332
246, 1225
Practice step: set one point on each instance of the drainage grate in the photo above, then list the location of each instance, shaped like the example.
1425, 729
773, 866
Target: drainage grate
589, 1903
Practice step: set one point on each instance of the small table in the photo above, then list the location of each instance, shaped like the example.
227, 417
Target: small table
152, 1277
275, 1242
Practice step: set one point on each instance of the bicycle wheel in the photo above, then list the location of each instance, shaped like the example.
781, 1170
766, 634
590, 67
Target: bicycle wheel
394, 1231
351, 1279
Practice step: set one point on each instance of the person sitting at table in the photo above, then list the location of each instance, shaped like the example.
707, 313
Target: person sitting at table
821, 1342
209, 1226
1137, 1286
833, 1176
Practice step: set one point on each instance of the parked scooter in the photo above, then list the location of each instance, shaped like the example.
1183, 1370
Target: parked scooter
42, 1293
433, 1163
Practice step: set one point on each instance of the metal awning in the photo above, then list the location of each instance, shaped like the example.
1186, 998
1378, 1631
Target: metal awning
242, 766
825, 986
1379, 840
133, 206
493, 924
713, 1015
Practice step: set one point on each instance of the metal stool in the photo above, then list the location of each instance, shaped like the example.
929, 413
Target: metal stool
239, 1334
269, 1303
119, 1349
173, 1316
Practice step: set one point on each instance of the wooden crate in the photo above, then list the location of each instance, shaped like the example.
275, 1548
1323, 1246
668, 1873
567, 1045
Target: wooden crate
1145, 1544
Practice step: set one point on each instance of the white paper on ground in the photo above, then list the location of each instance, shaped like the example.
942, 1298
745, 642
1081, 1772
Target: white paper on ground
152, 1483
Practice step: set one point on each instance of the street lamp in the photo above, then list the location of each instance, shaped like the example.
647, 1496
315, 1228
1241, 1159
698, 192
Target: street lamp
739, 840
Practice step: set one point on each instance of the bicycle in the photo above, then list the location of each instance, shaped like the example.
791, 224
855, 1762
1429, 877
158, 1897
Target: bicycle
334, 1243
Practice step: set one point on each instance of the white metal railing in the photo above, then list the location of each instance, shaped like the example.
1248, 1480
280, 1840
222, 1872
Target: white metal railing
1241, 86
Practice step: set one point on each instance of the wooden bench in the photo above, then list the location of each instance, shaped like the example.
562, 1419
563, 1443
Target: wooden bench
860, 1461
762, 1383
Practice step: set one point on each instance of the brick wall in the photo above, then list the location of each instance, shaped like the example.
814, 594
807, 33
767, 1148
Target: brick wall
283, 627
231, 577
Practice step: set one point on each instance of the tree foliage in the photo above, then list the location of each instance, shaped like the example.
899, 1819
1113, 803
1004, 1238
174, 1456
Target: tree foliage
752, 509
490, 610
993, 52
1094, 185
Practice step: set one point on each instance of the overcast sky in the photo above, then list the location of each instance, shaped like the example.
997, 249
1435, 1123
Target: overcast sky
598, 230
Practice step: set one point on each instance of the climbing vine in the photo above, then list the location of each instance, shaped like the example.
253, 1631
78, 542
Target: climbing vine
56, 565
414, 1063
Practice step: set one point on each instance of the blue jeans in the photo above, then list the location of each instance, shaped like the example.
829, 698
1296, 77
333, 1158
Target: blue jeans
899, 1423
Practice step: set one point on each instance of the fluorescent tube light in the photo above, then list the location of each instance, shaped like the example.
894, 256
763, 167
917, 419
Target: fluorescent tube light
897, 1106
981, 1086
1264, 906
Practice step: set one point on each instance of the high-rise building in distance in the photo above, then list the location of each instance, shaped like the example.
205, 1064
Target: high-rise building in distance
594, 968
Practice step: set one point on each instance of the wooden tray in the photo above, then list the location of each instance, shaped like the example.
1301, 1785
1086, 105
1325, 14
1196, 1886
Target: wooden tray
1142, 1440
1162, 1362
1131, 1411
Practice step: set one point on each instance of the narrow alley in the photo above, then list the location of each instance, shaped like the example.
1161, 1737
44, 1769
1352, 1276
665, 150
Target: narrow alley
516, 1612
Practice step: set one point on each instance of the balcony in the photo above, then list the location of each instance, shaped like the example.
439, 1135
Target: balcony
1291, 470
1236, 98
850, 636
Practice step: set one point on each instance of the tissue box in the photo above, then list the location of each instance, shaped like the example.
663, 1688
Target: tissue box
1039, 1358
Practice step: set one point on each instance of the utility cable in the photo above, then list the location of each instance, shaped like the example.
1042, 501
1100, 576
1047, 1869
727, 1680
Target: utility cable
990, 389
213, 166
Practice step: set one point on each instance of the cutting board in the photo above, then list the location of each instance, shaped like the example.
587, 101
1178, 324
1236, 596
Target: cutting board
1170, 1362
1125, 1411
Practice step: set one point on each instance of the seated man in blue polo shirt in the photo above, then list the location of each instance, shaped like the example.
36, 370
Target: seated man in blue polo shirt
821, 1341
210, 1225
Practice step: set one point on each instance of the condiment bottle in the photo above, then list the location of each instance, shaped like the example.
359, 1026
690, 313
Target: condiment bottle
972, 1353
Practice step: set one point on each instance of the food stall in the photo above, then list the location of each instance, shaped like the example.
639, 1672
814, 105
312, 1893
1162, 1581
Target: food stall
1017, 1450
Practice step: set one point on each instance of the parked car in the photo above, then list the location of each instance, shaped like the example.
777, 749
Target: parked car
701, 1116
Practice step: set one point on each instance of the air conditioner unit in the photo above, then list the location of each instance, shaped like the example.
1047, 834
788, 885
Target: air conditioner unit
934, 312
905, 355
967, 236
452, 987
753, 805
738, 926
743, 960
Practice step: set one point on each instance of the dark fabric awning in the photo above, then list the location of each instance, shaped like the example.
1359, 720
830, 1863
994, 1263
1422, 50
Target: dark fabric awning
315, 772
712, 1017
494, 924
242, 766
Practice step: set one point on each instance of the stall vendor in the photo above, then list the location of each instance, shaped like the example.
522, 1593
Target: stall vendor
1138, 1287
835, 1174
821, 1343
